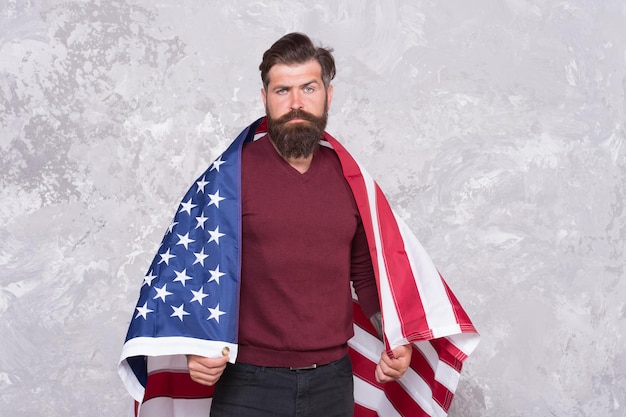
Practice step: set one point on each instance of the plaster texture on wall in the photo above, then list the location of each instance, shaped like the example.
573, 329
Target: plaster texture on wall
497, 129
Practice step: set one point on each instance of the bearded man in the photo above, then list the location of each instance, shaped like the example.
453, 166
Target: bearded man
303, 243
247, 308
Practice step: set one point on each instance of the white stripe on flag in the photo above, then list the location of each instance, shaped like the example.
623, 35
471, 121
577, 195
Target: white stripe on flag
371, 397
167, 362
465, 342
176, 345
366, 344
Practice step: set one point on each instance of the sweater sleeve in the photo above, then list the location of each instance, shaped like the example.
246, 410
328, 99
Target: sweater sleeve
362, 273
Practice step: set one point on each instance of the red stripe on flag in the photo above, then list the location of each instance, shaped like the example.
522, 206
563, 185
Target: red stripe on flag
353, 175
402, 283
449, 353
360, 411
459, 313
175, 385
361, 320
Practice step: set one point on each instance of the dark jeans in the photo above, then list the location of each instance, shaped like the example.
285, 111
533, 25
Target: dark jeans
256, 391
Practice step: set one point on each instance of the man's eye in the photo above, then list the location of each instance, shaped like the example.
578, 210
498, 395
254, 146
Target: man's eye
308, 89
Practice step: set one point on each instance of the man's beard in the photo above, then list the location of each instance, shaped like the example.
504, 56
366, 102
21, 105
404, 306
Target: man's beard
299, 139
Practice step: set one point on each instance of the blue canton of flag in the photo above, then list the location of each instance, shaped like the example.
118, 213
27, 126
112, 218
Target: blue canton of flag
188, 303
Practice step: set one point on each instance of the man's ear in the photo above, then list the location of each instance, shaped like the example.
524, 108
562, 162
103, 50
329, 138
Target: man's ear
264, 97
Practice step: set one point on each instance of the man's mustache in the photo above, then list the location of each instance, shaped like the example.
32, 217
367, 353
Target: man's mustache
297, 114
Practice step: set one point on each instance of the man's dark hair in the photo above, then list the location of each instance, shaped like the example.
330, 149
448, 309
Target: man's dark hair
297, 48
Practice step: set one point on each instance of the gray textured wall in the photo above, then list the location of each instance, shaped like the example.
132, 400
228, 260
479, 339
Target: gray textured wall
496, 127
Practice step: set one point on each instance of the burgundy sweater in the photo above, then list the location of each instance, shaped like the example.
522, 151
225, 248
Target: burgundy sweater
302, 244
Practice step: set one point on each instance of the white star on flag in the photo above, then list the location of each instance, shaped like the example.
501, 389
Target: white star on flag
165, 257
187, 206
216, 274
217, 163
200, 257
198, 295
201, 219
149, 278
215, 199
215, 235
182, 276
143, 311
201, 184
179, 312
162, 292
171, 226
215, 313
184, 240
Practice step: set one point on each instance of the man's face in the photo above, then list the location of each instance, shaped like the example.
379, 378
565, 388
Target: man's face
296, 104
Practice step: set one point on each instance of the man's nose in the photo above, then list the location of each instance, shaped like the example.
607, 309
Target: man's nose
295, 100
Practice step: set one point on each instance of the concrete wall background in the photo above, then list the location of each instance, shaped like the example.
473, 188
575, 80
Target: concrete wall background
495, 127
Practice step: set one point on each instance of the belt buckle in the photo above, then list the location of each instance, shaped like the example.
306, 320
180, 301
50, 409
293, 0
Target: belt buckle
302, 368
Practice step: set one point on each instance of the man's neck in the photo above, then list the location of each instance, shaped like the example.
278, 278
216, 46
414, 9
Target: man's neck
301, 164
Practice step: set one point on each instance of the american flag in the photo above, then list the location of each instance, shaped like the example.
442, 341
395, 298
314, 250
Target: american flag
188, 303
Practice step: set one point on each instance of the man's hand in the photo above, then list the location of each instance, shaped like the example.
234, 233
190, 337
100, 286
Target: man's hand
390, 369
206, 371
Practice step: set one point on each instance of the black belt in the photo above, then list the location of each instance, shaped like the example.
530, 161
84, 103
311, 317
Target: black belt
302, 368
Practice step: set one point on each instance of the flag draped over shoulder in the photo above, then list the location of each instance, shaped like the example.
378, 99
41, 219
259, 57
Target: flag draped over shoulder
188, 303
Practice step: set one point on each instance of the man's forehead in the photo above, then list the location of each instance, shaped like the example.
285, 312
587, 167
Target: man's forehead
294, 73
